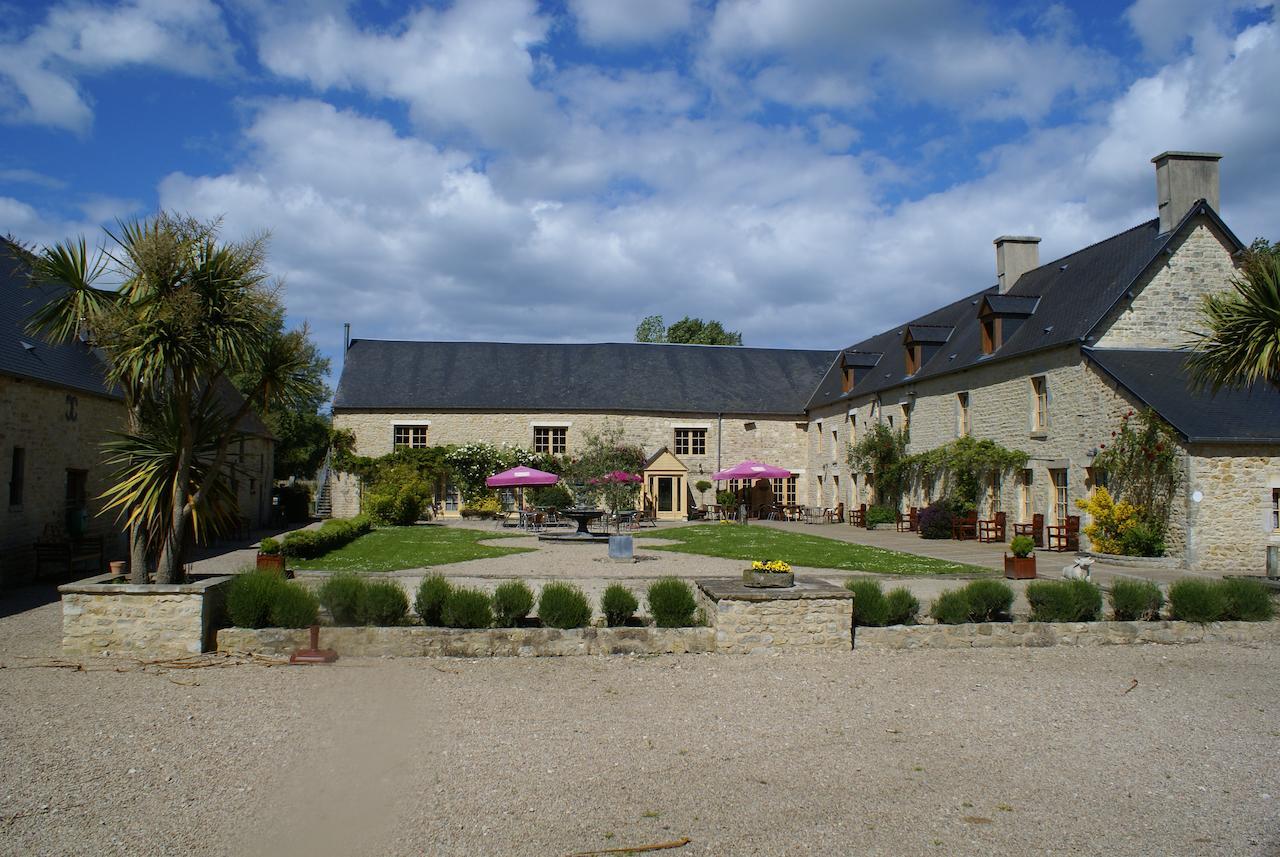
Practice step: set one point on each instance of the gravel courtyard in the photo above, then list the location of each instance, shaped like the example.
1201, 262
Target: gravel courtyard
992, 752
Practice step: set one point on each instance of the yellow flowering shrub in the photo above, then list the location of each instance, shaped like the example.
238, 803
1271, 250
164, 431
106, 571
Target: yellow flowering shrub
1110, 520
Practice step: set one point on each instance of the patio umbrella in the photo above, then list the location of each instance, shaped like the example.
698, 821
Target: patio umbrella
752, 470
518, 477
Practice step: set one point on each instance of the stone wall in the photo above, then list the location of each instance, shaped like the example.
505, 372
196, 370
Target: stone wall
419, 642
1039, 634
59, 429
149, 621
732, 438
1232, 524
812, 616
1166, 303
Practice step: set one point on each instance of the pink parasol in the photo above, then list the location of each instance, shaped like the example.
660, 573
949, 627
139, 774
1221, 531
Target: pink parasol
518, 476
752, 470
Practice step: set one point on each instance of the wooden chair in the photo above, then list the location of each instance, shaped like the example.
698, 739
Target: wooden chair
836, 515
992, 530
909, 521
966, 528
858, 516
1065, 537
1035, 529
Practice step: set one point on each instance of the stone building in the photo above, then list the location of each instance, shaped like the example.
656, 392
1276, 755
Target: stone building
1046, 360
55, 413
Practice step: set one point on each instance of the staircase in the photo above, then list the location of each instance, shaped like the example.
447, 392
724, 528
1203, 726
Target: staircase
324, 499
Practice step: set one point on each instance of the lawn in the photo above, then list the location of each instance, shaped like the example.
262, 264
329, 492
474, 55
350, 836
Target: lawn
395, 548
765, 543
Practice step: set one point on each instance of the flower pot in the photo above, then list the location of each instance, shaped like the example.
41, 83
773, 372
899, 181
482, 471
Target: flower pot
1020, 567
117, 567
767, 579
271, 562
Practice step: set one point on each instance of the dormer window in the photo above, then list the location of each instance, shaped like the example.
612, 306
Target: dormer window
854, 366
921, 342
1001, 316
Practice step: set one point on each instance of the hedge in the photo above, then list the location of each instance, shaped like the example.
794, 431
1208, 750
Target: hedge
333, 534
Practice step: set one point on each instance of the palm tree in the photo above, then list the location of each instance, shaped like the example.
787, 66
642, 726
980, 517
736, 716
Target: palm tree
187, 312
1242, 343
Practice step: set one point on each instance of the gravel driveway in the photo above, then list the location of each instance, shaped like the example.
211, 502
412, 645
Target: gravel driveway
991, 752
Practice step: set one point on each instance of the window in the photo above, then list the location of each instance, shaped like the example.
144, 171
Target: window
452, 498
962, 425
691, 441
853, 428
846, 379
890, 422
1275, 509
906, 418
997, 488
913, 358
1026, 503
413, 437
990, 334
784, 491
1040, 412
1061, 506
17, 475
550, 440
835, 445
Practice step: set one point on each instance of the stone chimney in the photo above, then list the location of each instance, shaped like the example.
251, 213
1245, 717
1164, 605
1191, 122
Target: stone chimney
1182, 180
1015, 255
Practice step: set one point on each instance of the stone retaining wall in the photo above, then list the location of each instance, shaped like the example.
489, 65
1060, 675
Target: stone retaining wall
1012, 635
423, 642
153, 620
811, 616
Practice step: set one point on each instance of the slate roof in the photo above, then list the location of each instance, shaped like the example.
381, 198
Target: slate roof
24, 355
1073, 294
608, 377
72, 365
1009, 304
1159, 379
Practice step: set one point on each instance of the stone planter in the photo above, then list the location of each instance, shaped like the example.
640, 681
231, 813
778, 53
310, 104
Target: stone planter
767, 579
1020, 567
150, 620
270, 562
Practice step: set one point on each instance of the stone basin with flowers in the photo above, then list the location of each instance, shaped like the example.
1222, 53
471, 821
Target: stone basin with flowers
768, 574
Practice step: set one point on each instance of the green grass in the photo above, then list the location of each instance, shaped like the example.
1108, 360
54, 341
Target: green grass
395, 548
765, 543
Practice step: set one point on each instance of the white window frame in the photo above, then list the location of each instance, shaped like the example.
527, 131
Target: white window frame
1061, 495
1040, 403
412, 426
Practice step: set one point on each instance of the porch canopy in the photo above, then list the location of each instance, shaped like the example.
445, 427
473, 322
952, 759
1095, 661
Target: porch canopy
751, 470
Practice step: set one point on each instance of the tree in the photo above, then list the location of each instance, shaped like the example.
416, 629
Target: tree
1242, 342
187, 313
686, 331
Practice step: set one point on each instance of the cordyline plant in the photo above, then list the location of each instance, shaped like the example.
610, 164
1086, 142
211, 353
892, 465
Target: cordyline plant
185, 312
1241, 345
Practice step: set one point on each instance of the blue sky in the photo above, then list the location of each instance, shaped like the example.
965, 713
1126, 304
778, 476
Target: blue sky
806, 171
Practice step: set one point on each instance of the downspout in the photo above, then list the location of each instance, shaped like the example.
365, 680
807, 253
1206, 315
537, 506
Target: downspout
719, 434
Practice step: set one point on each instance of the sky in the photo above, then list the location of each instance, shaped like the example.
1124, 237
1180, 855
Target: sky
808, 172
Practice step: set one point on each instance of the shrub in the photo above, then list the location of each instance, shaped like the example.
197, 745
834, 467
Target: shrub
1142, 540
618, 605
556, 496
341, 595
901, 607
1246, 600
978, 601
951, 607
512, 601
250, 597
383, 603
1109, 521
269, 547
306, 544
1064, 601
1135, 600
430, 599
869, 608
671, 603
1194, 600
881, 515
702, 485
1022, 546
466, 608
400, 509
935, 522
482, 507
562, 605
989, 600
294, 607
727, 499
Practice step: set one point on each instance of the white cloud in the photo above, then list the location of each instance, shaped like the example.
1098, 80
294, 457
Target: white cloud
630, 22
1167, 27
466, 69
38, 72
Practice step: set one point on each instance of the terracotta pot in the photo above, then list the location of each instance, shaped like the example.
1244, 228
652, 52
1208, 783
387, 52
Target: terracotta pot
271, 562
767, 579
118, 567
1020, 567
